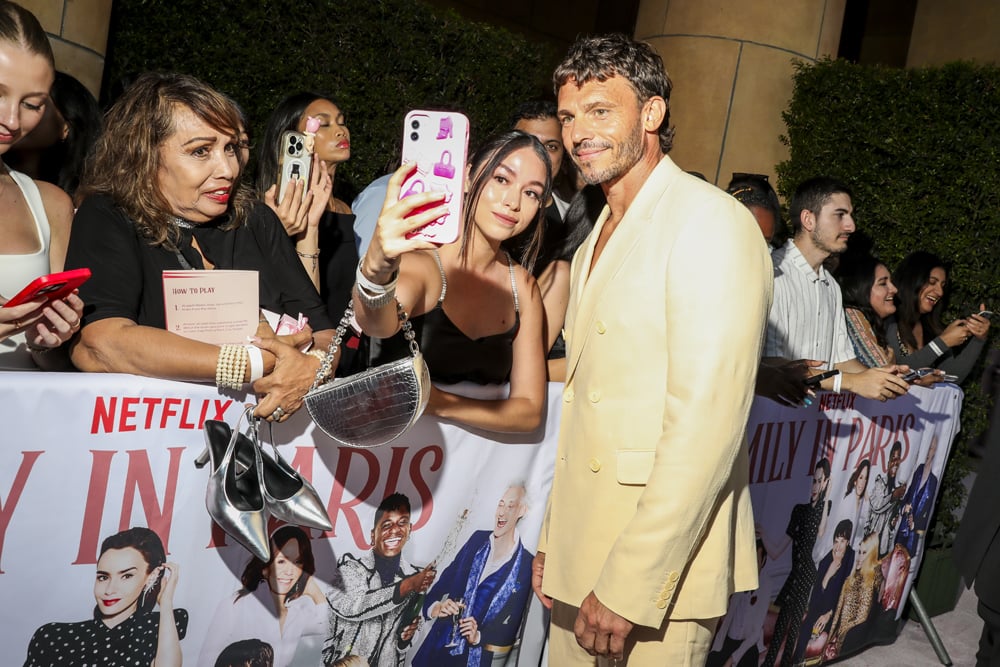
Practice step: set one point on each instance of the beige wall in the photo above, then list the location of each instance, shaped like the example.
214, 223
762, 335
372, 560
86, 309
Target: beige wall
731, 65
78, 30
955, 30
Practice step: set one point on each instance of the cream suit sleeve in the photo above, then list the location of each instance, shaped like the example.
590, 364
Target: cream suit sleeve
718, 291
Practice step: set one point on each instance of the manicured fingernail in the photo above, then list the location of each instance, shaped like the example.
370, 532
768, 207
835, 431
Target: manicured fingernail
807, 402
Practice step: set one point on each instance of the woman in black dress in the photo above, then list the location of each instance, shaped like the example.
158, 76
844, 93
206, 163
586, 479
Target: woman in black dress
162, 191
132, 577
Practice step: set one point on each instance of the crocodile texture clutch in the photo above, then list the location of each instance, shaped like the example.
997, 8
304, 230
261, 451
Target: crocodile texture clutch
373, 407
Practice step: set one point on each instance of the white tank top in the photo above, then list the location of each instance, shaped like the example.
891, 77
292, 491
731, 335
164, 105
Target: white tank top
16, 271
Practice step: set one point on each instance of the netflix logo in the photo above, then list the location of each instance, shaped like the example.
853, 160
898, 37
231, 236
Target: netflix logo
131, 413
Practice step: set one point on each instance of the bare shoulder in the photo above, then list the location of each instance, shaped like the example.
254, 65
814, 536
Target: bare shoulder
527, 286
58, 205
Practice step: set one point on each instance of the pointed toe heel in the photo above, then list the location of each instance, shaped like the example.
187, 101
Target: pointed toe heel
234, 496
289, 496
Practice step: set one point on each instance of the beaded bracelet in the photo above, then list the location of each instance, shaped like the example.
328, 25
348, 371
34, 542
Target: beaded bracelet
321, 356
231, 366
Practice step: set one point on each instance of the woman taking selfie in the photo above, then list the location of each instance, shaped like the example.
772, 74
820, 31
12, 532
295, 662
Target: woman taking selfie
916, 334
35, 216
162, 192
483, 317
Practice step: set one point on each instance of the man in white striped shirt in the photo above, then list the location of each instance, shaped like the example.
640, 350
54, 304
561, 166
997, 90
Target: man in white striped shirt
806, 321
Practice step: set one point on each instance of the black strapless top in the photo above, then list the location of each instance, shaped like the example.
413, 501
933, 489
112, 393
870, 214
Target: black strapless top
452, 356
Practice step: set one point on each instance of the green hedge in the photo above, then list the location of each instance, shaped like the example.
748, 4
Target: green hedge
376, 58
921, 150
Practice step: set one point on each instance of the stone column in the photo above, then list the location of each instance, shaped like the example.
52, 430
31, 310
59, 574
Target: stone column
731, 65
955, 30
78, 30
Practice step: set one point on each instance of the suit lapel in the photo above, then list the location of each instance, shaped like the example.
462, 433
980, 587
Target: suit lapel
589, 285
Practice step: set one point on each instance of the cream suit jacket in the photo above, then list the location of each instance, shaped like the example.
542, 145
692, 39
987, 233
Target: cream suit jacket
650, 504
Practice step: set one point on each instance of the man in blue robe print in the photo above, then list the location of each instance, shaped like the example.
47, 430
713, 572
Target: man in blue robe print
488, 584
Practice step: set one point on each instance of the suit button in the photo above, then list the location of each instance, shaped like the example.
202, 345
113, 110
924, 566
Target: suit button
674, 577
600, 327
568, 395
661, 604
595, 465
594, 396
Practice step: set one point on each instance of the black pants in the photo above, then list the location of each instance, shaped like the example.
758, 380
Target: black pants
989, 642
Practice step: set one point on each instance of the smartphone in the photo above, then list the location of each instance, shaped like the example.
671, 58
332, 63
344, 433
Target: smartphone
438, 142
814, 380
949, 378
51, 287
985, 313
916, 374
294, 161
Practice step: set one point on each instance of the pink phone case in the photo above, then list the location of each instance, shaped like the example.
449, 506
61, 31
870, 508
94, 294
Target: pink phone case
437, 141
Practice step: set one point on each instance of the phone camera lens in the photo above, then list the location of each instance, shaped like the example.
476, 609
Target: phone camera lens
291, 150
414, 136
415, 124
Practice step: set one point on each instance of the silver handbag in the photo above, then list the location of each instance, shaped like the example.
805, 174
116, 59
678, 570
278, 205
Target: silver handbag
375, 406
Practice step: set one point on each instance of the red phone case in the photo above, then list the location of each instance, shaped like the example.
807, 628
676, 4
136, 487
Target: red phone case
437, 141
51, 287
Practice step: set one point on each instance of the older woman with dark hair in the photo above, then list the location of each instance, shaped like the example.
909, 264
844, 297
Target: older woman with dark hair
162, 192
917, 334
133, 575
280, 603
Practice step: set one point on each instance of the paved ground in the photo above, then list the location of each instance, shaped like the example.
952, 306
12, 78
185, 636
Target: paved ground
959, 631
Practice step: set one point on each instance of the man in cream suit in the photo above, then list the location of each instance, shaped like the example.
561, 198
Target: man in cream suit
649, 528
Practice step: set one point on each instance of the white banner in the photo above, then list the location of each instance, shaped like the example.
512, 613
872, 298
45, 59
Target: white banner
843, 491
85, 456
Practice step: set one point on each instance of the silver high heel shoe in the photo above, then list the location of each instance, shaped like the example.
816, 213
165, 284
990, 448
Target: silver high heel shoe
288, 495
233, 497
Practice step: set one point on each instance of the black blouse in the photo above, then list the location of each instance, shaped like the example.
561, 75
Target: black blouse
127, 271
93, 644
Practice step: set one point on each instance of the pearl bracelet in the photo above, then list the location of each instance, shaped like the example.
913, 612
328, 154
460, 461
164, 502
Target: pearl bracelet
231, 367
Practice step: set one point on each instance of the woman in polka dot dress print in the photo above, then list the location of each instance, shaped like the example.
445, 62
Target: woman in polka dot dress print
132, 577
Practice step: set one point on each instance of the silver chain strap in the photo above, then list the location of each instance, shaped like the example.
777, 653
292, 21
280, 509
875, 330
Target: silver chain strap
323, 374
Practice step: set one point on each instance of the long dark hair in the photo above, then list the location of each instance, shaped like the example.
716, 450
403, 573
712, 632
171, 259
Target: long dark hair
62, 162
285, 117
856, 275
912, 274
482, 164
147, 543
253, 573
